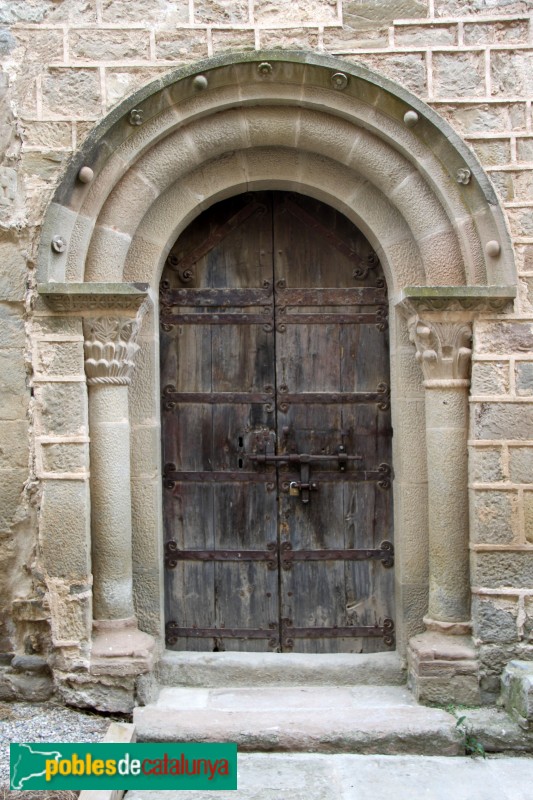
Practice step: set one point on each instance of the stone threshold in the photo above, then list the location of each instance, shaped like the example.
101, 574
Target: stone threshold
204, 670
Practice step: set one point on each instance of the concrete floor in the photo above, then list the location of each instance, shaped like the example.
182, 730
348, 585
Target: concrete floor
304, 776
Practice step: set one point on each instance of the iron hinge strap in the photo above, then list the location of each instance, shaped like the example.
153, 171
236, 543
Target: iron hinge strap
385, 631
173, 632
385, 554
173, 554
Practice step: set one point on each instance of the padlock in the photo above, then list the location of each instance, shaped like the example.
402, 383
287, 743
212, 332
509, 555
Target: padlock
294, 489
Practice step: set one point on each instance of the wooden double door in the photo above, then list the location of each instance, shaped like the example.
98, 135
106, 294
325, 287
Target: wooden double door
276, 432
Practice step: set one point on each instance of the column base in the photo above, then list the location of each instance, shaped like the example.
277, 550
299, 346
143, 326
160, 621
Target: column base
120, 653
443, 669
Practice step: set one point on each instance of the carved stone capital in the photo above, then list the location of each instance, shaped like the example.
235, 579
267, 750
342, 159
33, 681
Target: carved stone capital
443, 350
110, 349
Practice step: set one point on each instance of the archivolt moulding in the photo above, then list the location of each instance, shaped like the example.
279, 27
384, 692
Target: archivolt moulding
276, 120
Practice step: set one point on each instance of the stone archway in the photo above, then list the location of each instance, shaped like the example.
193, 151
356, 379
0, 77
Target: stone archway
336, 132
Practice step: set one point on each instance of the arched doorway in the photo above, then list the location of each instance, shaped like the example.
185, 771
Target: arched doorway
276, 432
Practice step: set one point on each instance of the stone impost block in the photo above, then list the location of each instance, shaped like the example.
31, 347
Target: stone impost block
517, 692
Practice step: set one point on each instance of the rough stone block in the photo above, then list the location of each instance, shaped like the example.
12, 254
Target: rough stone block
14, 393
521, 464
348, 38
289, 38
14, 435
162, 13
481, 117
25, 687
221, 12
65, 457
408, 69
288, 12
458, 74
528, 624
511, 72
524, 378
495, 619
504, 185
43, 46
486, 465
425, 35
71, 612
57, 326
11, 496
47, 134
79, 12
123, 81
497, 569
77, 90
496, 32
62, 408
524, 149
108, 45
521, 221
145, 450
494, 517
185, 45
502, 421
517, 692
493, 152
64, 529
112, 695
490, 377
452, 8
59, 358
528, 516
12, 332
233, 40
503, 338
373, 13
13, 272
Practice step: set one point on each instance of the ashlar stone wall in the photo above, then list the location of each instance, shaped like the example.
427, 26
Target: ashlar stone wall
65, 64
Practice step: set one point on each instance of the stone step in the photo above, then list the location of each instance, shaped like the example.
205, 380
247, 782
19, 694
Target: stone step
317, 719
301, 776
209, 670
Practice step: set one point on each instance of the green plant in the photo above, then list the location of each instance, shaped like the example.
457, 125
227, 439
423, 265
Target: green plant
472, 745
